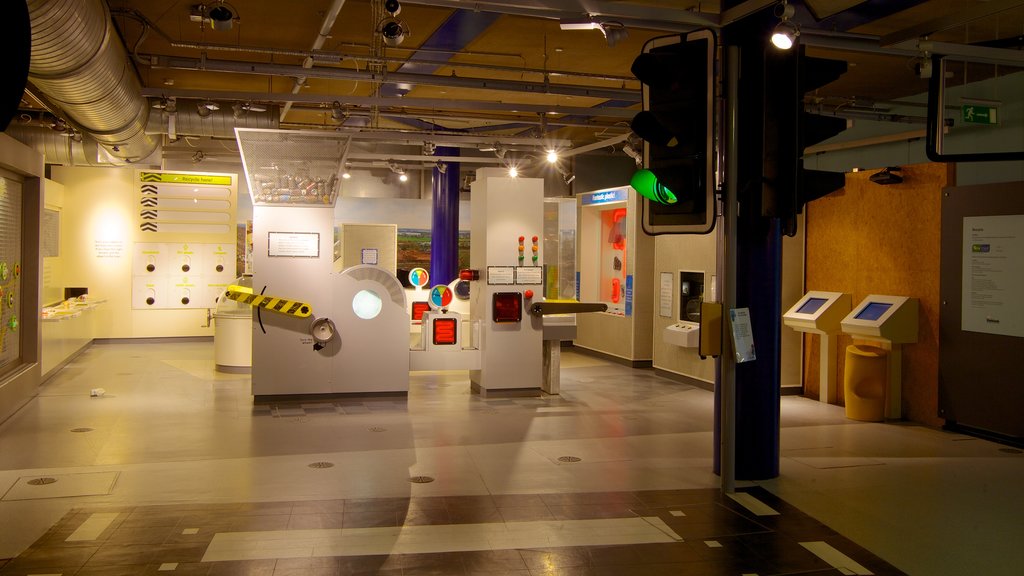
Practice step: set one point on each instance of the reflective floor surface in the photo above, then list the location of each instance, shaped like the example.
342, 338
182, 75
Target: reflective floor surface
174, 469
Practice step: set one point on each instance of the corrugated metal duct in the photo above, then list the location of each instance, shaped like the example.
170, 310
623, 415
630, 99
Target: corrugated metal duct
218, 124
80, 63
58, 148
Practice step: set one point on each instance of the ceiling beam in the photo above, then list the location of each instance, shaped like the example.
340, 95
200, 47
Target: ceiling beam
977, 11
332, 73
406, 103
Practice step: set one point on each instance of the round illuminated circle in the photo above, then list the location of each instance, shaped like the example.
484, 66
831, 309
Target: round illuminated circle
552, 156
440, 297
367, 304
419, 277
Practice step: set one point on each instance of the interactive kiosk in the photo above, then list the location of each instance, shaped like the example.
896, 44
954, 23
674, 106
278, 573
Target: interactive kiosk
821, 313
507, 253
892, 321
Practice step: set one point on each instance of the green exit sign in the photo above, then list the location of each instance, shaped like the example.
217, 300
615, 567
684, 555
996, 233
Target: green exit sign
974, 114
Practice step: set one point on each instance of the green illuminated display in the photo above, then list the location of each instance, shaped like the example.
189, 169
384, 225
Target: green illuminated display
647, 184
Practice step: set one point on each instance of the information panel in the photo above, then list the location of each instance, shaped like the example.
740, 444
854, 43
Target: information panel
293, 244
993, 275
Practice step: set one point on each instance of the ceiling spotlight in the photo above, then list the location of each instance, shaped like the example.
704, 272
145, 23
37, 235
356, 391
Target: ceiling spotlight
159, 104
403, 177
204, 109
441, 167
222, 16
886, 176
613, 32
238, 110
628, 150
429, 148
393, 30
786, 31
568, 177
338, 113
512, 172
198, 156
552, 156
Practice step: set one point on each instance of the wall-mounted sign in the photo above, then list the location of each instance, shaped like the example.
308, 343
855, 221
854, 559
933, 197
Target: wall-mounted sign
531, 275
501, 275
605, 196
993, 275
185, 178
293, 244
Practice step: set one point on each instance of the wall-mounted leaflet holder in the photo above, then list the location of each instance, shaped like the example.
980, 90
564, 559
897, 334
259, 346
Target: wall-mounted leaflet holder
710, 339
742, 335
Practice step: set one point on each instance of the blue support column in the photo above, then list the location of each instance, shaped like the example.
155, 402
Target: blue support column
444, 230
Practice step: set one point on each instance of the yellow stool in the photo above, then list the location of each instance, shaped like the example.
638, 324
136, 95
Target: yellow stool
864, 379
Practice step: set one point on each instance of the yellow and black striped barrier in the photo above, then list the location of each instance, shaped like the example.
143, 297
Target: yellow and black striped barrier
273, 303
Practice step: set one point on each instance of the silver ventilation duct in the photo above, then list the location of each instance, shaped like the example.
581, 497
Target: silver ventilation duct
219, 123
59, 148
79, 63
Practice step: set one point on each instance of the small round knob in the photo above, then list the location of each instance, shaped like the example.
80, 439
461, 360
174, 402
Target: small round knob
184, 300
150, 267
150, 301
528, 294
220, 267
185, 267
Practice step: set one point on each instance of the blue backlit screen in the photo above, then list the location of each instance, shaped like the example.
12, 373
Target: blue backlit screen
873, 311
811, 306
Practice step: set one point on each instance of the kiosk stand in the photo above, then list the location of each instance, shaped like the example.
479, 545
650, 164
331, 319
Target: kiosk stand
891, 320
821, 313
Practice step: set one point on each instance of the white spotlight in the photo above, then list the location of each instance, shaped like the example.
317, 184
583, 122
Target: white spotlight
512, 172
403, 177
552, 156
786, 32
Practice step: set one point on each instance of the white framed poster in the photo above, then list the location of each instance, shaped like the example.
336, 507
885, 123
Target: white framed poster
993, 275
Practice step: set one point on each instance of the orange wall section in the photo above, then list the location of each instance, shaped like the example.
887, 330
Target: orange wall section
872, 239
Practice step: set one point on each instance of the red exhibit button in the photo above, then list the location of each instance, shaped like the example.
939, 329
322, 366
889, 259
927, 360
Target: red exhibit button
528, 294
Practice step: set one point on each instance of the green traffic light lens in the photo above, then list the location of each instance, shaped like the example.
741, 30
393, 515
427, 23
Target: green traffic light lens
647, 184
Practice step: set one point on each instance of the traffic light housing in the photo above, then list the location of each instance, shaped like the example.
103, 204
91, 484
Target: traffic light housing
789, 129
676, 124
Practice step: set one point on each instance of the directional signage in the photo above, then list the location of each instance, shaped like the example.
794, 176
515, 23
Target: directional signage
974, 114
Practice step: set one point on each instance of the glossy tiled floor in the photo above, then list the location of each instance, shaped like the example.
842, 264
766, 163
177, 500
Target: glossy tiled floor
175, 470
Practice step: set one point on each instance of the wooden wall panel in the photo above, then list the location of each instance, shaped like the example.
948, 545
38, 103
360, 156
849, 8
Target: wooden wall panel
873, 239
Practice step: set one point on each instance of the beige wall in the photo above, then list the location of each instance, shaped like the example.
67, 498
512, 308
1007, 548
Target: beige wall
673, 253
99, 206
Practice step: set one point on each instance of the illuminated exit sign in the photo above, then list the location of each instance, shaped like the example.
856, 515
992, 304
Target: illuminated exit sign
974, 114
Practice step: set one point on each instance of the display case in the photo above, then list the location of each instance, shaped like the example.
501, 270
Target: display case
560, 248
615, 267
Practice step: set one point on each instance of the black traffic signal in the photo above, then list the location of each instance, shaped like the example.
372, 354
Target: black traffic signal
676, 124
789, 129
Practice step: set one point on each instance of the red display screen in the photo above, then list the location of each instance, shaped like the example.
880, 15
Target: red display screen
508, 307
445, 331
418, 308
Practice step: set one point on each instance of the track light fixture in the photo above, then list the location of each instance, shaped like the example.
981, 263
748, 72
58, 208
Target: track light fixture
204, 109
786, 32
338, 113
612, 30
391, 28
552, 157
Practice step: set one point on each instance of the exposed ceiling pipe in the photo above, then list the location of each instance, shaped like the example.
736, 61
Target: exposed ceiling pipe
330, 56
80, 64
321, 37
405, 103
332, 73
